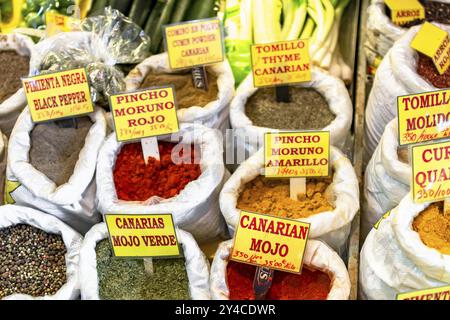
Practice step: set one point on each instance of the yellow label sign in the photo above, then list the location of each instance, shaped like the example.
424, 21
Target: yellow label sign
56, 23
404, 11
194, 43
385, 216
297, 154
10, 187
442, 293
431, 172
142, 236
424, 117
271, 242
143, 114
435, 43
281, 63
58, 95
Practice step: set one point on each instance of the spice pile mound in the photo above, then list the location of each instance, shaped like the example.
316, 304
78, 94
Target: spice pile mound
12, 67
121, 279
32, 262
434, 12
308, 109
434, 227
427, 70
271, 196
309, 285
403, 155
136, 181
186, 94
57, 157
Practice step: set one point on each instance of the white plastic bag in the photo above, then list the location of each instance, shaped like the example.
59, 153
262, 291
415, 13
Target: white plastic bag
333, 226
396, 76
387, 179
317, 255
250, 137
3, 156
72, 202
214, 114
395, 260
12, 215
13, 106
197, 266
195, 209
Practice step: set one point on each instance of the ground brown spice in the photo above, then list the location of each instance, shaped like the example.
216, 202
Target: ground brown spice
427, 70
434, 227
57, 157
271, 196
403, 155
186, 94
12, 67
308, 109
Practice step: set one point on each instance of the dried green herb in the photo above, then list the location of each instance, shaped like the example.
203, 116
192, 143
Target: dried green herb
126, 279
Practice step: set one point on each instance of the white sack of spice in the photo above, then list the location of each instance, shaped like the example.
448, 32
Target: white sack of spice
333, 227
195, 209
396, 76
13, 106
213, 115
317, 255
11, 215
331, 88
73, 201
197, 266
387, 179
395, 260
3, 158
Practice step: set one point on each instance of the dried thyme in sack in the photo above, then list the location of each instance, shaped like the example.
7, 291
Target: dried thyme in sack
254, 111
332, 225
39, 256
52, 168
193, 105
107, 278
105, 42
318, 256
15, 52
195, 208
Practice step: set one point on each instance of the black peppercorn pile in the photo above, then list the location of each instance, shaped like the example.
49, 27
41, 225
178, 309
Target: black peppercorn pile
31, 261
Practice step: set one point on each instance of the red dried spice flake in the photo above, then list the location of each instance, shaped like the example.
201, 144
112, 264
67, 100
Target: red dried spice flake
428, 70
310, 285
136, 181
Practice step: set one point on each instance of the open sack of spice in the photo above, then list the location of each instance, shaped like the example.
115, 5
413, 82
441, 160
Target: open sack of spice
15, 52
408, 250
38, 256
322, 103
403, 71
52, 168
329, 204
208, 107
185, 182
387, 178
102, 276
382, 33
105, 42
324, 277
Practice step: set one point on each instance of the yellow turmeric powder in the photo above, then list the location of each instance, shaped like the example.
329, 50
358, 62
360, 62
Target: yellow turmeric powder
434, 227
271, 196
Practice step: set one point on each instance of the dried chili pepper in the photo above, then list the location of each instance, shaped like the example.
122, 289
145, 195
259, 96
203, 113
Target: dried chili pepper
136, 181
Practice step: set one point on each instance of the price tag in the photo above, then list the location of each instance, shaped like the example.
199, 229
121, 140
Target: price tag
142, 114
442, 293
143, 236
270, 242
433, 42
423, 117
58, 95
56, 23
194, 43
297, 154
281, 63
431, 172
404, 11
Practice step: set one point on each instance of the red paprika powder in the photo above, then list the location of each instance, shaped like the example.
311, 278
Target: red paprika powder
310, 285
136, 181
